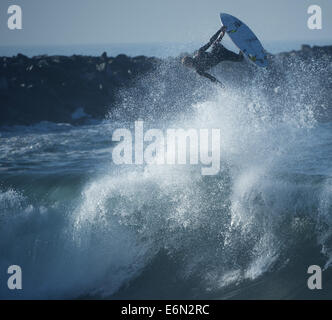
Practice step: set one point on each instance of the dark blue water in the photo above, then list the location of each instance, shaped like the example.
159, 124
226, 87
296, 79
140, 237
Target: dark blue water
161, 50
80, 226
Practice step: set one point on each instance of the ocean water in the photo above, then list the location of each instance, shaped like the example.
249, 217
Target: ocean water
82, 227
161, 50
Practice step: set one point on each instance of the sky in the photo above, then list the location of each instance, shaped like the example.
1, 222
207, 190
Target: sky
74, 22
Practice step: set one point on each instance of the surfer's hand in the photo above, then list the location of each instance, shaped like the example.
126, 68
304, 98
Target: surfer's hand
219, 84
221, 34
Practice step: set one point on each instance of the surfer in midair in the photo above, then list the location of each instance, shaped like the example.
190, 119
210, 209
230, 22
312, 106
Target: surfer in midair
204, 60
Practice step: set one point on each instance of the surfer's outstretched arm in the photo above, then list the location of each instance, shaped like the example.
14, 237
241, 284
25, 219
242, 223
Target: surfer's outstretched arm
216, 37
210, 77
221, 35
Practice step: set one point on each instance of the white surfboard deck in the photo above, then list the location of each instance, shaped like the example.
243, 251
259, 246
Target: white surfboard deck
244, 39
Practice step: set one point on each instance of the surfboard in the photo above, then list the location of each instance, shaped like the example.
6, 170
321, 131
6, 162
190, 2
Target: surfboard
244, 39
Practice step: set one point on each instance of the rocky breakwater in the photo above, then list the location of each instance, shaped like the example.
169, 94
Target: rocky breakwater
64, 89
78, 88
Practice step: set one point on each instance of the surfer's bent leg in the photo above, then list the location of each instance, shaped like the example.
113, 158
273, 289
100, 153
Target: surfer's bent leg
232, 56
222, 54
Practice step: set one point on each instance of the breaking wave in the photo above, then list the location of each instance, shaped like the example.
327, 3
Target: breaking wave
81, 227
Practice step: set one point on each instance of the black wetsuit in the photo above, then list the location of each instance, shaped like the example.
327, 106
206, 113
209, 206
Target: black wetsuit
204, 60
